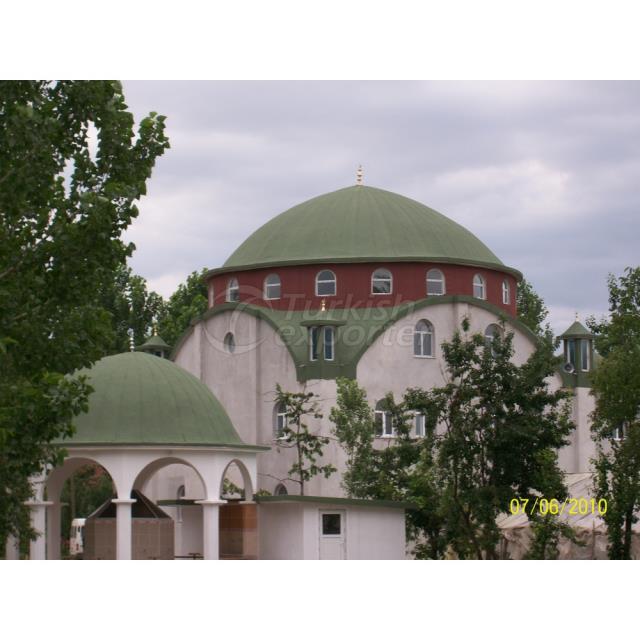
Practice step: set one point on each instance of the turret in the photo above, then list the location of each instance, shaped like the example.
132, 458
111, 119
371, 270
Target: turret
578, 350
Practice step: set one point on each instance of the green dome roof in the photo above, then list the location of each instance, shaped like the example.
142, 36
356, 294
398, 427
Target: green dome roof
143, 399
360, 224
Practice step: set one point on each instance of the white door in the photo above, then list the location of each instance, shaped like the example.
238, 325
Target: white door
333, 535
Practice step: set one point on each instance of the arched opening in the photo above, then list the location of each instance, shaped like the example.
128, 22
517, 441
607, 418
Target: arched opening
280, 490
229, 343
492, 332
506, 292
435, 283
479, 288
77, 490
233, 290
279, 421
326, 283
423, 335
238, 517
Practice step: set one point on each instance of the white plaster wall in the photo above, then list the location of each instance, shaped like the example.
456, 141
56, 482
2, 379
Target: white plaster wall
291, 531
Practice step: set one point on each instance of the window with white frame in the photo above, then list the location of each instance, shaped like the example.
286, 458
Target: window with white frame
423, 339
212, 295
383, 421
420, 425
314, 343
619, 432
381, 282
435, 283
326, 283
506, 292
328, 339
272, 287
492, 332
279, 420
233, 290
479, 288
229, 343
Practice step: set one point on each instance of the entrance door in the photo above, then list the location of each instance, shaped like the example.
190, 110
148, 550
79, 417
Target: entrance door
333, 535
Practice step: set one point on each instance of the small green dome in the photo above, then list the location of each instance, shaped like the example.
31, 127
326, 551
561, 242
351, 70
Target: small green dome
360, 224
142, 399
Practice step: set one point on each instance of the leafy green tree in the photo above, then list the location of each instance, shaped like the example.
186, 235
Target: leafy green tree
531, 307
298, 407
616, 419
64, 204
133, 308
491, 435
187, 303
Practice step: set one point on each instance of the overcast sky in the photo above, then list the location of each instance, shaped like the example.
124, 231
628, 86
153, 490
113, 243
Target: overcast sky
545, 174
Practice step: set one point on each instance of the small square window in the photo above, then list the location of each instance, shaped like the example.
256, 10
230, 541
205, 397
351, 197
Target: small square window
331, 524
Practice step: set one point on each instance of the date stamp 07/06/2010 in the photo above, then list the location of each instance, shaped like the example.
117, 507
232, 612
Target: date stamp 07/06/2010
571, 506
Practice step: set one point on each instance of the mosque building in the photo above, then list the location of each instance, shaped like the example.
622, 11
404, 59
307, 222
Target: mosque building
360, 283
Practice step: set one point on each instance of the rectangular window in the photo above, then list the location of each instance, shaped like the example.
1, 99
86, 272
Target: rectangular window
584, 355
331, 524
314, 335
328, 343
383, 423
420, 426
571, 352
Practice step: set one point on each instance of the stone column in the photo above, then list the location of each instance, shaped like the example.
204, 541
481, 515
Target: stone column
38, 547
211, 528
53, 531
12, 550
123, 527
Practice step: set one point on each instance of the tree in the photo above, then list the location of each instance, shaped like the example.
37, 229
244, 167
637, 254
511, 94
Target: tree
132, 309
616, 418
65, 200
188, 302
531, 307
491, 435
296, 435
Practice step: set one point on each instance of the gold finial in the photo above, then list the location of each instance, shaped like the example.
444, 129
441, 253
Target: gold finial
359, 174
323, 306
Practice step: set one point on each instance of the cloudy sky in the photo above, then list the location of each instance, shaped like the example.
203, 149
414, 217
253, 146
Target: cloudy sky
546, 174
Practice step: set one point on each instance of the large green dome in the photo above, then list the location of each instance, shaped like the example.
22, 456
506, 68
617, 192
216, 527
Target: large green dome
143, 399
360, 224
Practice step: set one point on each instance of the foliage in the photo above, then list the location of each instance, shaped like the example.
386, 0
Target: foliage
532, 310
187, 303
616, 387
132, 308
64, 204
491, 435
296, 435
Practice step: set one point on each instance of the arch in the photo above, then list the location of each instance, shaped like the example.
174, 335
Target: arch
436, 285
149, 470
280, 490
326, 283
423, 339
246, 478
506, 292
233, 290
381, 282
229, 343
272, 286
479, 287
59, 475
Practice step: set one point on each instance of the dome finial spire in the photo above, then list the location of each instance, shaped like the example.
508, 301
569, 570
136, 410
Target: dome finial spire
359, 174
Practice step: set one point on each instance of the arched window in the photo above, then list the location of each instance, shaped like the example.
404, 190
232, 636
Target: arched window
229, 343
314, 343
381, 282
233, 290
435, 283
506, 292
326, 283
281, 490
423, 340
279, 420
212, 295
383, 422
490, 333
272, 287
479, 290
